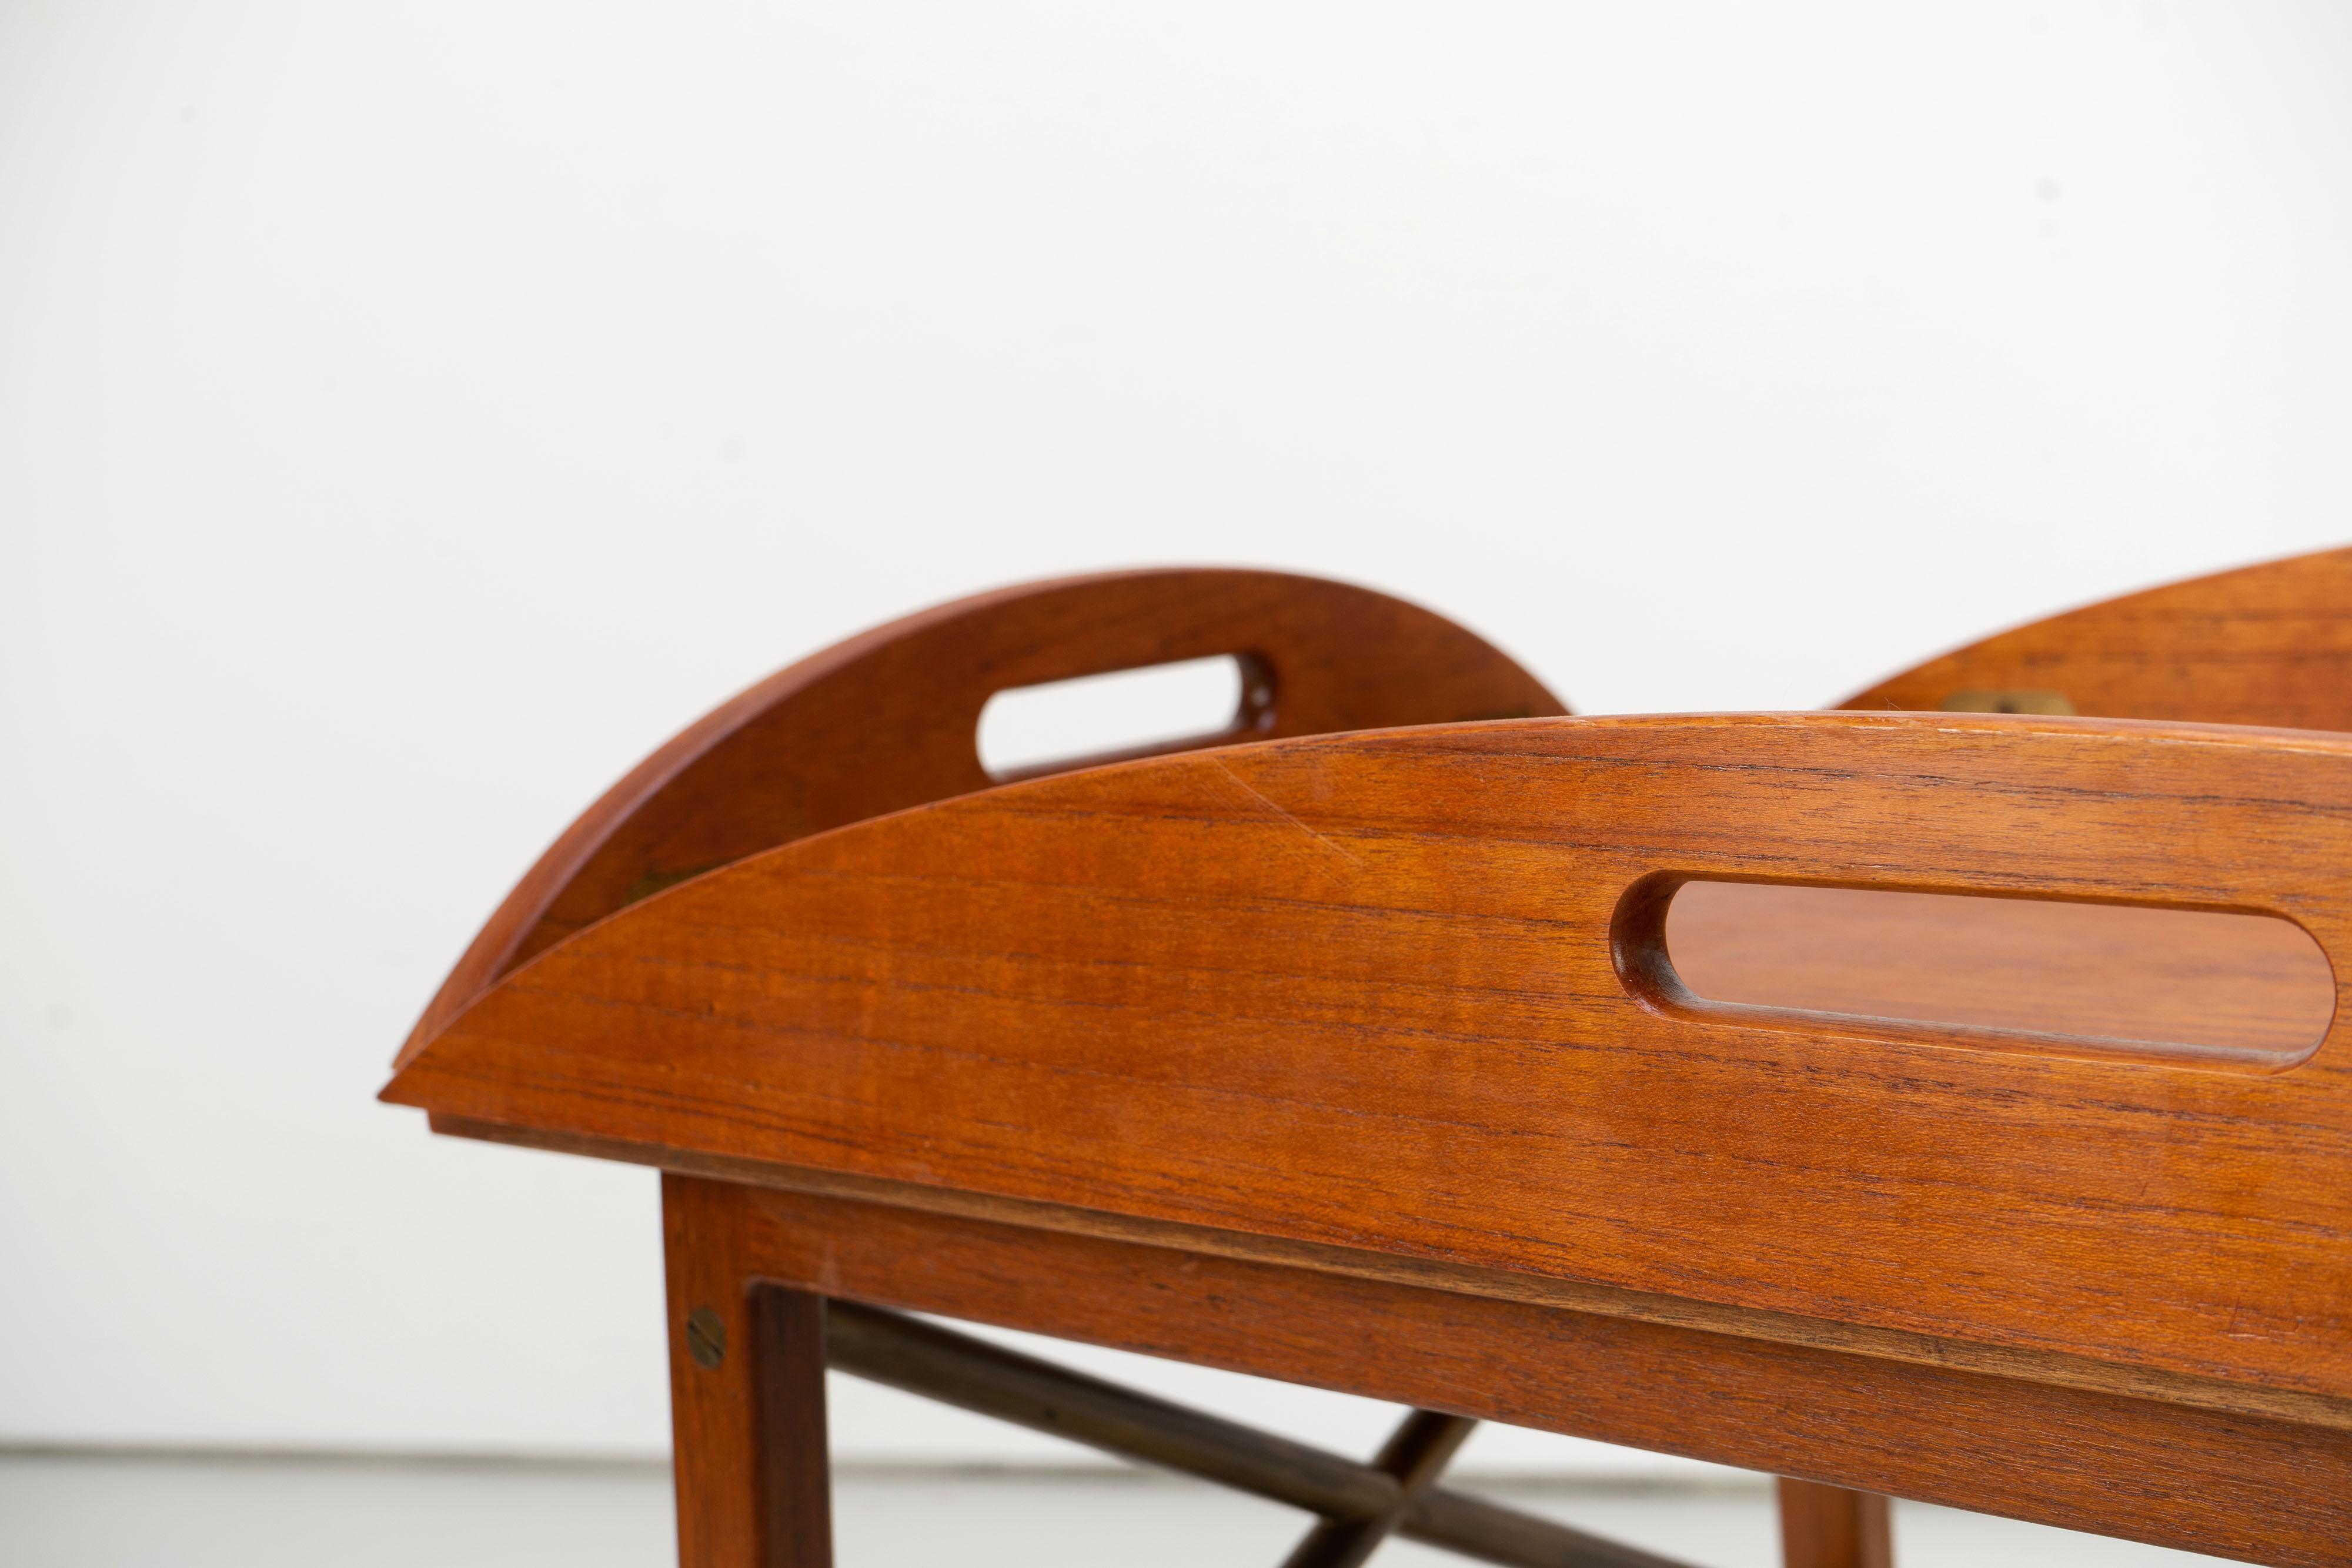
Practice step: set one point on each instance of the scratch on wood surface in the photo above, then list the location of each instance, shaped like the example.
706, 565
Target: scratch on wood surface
1322, 841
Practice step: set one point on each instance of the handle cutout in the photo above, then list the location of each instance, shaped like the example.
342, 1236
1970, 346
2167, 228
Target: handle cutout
1027, 731
2009, 699
2250, 993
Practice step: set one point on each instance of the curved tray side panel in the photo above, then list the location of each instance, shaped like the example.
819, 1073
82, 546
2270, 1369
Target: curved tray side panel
1375, 991
2268, 645
888, 719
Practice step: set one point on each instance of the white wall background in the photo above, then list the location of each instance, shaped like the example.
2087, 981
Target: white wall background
410, 413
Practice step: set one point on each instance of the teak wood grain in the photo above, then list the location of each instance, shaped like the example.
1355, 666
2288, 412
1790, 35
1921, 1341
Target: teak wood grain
721, 1445
2234, 1485
888, 719
1386, 1030
1830, 1527
2269, 644
1388, 991
2258, 990
2137, 1382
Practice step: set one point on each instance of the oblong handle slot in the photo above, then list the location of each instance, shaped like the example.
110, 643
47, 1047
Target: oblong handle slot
1026, 731
2233, 991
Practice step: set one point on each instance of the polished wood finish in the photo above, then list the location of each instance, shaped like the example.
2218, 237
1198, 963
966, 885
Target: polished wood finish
2268, 645
795, 1466
889, 720
715, 1408
1221, 989
2248, 1486
1830, 1527
2260, 991
1515, 1070
2054, 1369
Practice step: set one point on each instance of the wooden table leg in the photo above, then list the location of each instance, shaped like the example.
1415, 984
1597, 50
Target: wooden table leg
1830, 1527
747, 1398
795, 1469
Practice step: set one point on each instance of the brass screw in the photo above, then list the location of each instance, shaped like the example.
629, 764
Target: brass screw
706, 1337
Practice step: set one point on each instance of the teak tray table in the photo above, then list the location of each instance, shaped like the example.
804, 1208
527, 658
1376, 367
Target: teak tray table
1941, 1098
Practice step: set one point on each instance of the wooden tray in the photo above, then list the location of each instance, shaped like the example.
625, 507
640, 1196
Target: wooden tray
1922, 1098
